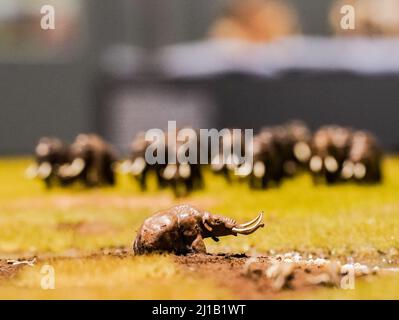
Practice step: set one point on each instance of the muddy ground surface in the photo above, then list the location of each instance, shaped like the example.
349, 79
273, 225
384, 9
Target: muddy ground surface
260, 277
8, 270
250, 278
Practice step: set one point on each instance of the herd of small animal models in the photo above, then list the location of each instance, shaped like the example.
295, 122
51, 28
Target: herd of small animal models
332, 154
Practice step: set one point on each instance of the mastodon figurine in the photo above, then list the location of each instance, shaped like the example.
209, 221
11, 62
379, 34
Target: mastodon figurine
50, 154
181, 230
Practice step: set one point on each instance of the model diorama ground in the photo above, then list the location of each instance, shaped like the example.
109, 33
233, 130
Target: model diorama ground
311, 233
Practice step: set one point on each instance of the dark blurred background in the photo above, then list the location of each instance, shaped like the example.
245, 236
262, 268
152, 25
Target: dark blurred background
119, 66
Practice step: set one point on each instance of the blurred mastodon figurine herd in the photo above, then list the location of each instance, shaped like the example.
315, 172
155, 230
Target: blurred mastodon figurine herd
88, 160
332, 154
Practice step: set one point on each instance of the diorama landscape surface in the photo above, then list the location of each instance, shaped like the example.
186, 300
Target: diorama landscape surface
86, 236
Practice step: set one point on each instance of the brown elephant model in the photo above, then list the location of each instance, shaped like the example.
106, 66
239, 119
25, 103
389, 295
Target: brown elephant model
181, 230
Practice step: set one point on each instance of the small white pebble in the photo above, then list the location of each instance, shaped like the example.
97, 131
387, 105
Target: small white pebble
320, 262
297, 258
310, 262
287, 260
346, 268
362, 270
357, 268
272, 271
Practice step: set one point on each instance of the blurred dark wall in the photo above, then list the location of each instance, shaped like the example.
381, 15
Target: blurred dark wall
246, 101
56, 97
42, 100
361, 102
